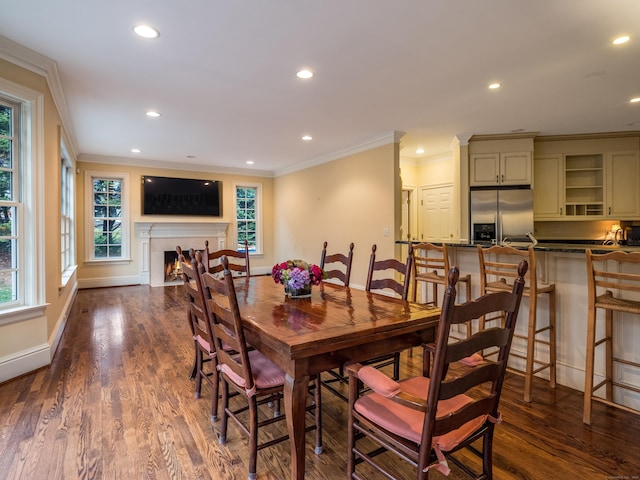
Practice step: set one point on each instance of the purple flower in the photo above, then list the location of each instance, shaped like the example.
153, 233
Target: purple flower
298, 278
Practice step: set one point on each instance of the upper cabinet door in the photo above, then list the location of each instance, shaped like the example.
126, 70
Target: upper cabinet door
484, 169
493, 169
548, 176
515, 168
623, 183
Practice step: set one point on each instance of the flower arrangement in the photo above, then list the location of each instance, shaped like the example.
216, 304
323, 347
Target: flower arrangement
297, 276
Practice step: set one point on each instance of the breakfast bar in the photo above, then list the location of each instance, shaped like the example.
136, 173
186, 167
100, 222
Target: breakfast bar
563, 263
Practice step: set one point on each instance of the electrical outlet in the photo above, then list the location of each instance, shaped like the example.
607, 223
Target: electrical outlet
385, 232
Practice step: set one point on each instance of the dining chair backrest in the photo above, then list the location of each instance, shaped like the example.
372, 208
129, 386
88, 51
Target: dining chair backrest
397, 275
337, 265
430, 265
193, 288
222, 304
238, 260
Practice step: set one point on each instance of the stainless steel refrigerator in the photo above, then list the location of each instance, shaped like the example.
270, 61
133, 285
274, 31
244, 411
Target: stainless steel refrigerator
501, 215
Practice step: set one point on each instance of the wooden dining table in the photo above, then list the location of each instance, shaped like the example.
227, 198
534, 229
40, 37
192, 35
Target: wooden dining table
308, 336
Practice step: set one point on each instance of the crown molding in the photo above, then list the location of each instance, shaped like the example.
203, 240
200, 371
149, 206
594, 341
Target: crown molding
503, 136
192, 167
37, 63
587, 136
386, 138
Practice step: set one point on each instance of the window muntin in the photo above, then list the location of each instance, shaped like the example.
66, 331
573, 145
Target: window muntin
10, 206
107, 227
107, 218
248, 216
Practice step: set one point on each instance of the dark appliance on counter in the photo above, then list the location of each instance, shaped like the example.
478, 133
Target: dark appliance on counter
500, 214
633, 236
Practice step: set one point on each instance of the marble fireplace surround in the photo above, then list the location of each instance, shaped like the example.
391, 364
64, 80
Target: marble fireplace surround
154, 238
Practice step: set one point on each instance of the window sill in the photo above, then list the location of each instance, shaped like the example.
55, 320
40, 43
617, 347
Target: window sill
119, 261
66, 276
22, 313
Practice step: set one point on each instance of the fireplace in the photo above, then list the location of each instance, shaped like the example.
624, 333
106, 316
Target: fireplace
172, 270
157, 240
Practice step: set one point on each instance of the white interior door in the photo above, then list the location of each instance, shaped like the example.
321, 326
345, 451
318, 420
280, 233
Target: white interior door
436, 214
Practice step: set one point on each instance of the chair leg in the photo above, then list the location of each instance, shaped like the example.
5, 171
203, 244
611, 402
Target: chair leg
317, 398
487, 453
609, 354
552, 338
225, 412
198, 366
215, 383
588, 372
253, 437
396, 366
531, 349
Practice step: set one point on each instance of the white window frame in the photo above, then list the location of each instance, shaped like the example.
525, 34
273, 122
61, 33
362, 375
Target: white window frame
258, 188
67, 213
89, 176
31, 267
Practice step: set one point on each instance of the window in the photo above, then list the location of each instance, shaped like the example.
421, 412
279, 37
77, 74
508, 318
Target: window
248, 216
108, 230
22, 203
9, 200
67, 216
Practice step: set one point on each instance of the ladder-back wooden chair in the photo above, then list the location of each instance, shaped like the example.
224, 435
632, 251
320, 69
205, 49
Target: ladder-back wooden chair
238, 260
337, 265
247, 372
425, 420
200, 326
499, 263
386, 276
607, 273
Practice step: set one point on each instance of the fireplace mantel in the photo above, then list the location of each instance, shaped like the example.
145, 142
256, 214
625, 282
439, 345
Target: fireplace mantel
154, 238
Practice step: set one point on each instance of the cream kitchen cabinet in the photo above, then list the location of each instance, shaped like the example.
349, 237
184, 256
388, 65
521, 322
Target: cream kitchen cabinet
548, 184
622, 185
491, 169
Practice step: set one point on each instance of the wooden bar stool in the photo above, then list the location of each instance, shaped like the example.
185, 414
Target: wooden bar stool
606, 271
493, 278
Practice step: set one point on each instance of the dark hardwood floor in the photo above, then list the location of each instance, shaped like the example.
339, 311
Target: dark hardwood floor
117, 403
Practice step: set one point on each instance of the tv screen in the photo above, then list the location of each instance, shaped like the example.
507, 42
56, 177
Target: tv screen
180, 196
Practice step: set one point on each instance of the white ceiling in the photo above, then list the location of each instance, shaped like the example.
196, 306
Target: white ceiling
222, 73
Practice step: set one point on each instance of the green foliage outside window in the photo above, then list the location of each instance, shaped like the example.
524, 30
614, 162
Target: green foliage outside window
107, 218
246, 217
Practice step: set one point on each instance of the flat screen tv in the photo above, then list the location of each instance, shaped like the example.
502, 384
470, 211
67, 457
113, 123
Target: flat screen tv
181, 196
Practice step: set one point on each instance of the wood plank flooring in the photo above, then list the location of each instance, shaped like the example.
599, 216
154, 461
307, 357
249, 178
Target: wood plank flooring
117, 403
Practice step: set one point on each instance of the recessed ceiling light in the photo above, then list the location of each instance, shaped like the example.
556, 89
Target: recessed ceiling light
152, 113
634, 124
249, 162
517, 130
135, 150
621, 40
304, 74
420, 151
494, 86
146, 31
635, 100
307, 137
191, 156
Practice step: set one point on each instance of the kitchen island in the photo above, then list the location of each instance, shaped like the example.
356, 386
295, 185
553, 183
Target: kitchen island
563, 263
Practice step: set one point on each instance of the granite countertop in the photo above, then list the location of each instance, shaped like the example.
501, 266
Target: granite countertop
569, 246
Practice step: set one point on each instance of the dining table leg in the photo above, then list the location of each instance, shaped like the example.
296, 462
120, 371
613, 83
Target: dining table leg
295, 401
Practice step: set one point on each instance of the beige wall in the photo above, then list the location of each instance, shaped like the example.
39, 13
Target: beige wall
352, 199
25, 345
94, 271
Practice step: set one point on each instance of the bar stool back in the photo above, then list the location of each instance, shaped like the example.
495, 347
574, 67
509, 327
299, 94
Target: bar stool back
606, 272
499, 263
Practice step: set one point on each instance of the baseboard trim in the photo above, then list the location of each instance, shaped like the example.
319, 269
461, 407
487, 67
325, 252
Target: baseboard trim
108, 282
25, 362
